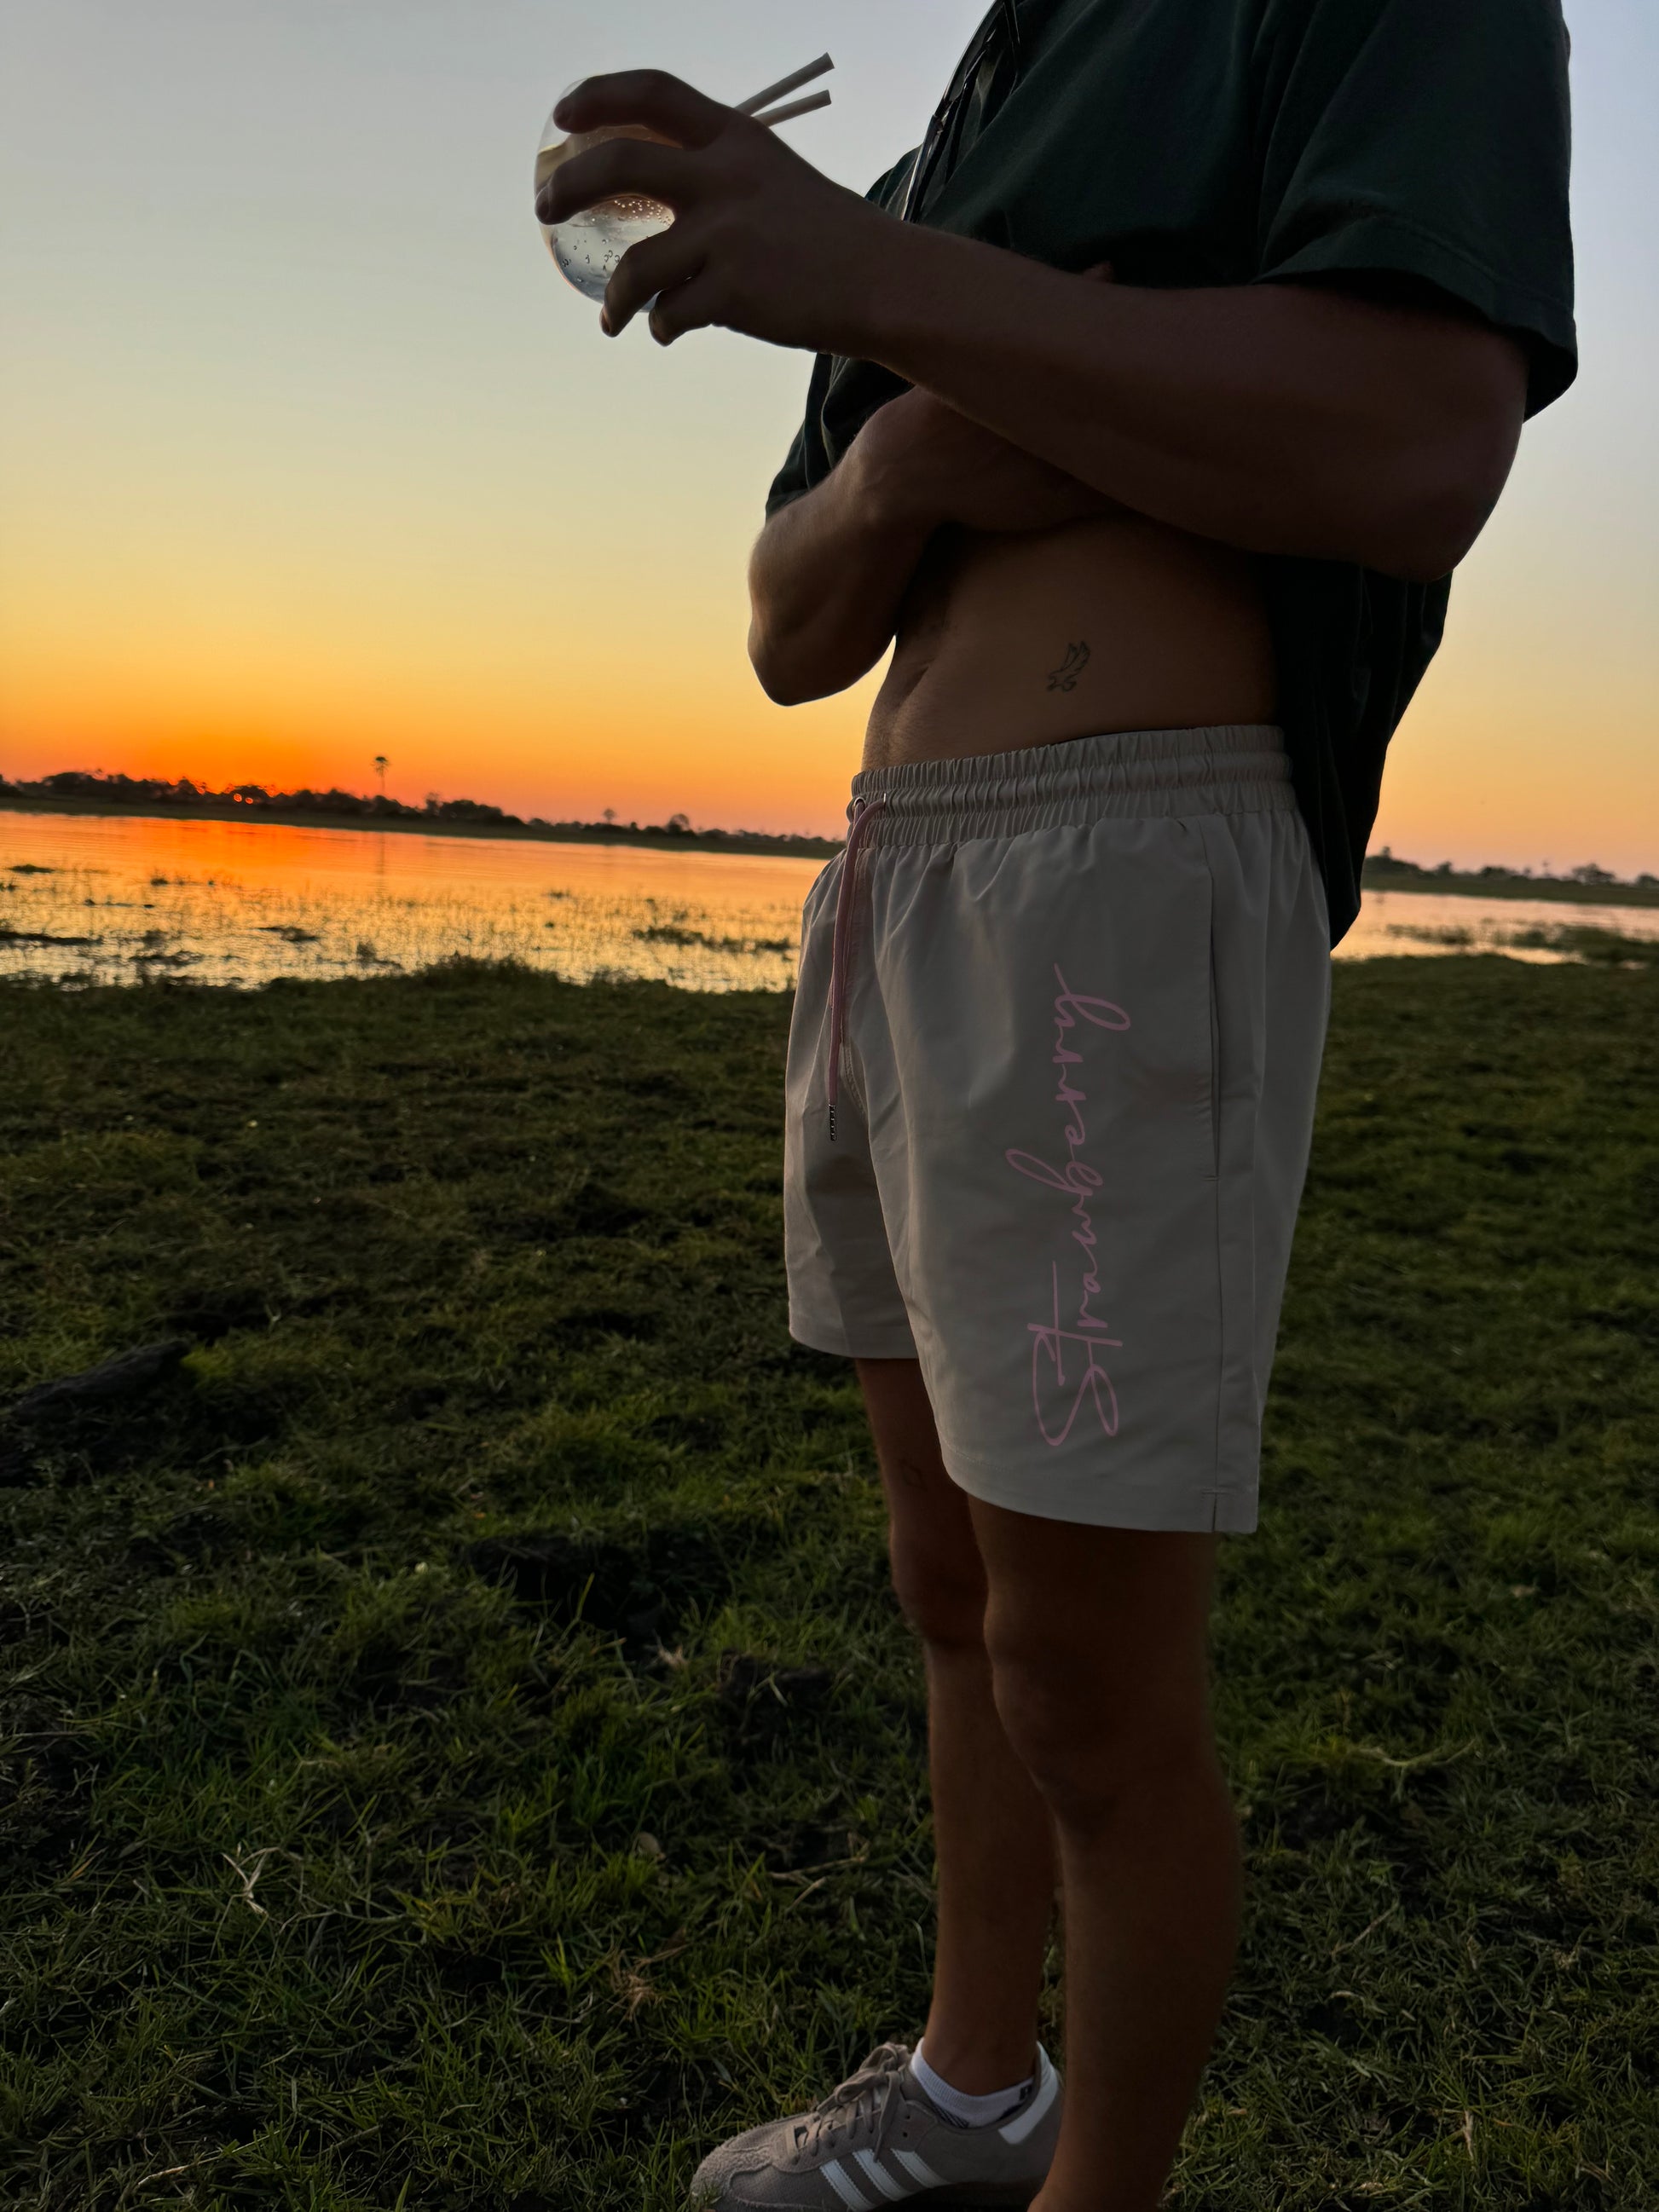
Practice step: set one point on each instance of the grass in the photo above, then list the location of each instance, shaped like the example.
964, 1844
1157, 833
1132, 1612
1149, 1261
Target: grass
1594, 948
459, 1751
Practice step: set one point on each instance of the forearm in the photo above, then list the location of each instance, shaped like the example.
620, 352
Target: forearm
1279, 418
826, 580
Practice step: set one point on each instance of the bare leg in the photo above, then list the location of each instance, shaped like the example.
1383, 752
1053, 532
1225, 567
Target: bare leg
1098, 1639
991, 1832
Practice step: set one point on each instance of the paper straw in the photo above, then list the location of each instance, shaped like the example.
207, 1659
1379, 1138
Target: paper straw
784, 86
796, 107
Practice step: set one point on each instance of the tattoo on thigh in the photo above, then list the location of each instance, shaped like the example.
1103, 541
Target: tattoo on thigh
1064, 678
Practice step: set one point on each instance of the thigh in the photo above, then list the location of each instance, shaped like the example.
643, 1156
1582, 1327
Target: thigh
937, 1569
1107, 1629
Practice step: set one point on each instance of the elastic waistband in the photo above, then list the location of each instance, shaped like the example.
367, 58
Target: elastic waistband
1233, 768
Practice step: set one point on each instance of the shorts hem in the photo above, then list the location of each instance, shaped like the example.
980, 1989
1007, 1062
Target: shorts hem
842, 1343
1230, 1512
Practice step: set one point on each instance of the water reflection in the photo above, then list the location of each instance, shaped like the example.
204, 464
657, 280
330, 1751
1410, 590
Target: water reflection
1522, 929
103, 898
107, 899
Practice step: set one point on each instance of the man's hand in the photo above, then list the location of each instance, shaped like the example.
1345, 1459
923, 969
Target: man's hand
761, 242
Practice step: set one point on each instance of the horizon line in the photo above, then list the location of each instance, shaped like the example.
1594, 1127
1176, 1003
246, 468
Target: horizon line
183, 792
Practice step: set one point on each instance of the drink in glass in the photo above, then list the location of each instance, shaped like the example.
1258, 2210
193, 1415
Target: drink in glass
588, 246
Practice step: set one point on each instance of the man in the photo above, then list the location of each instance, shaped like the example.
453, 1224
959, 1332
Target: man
1157, 393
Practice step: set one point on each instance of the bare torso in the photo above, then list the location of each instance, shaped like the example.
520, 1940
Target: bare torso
1028, 639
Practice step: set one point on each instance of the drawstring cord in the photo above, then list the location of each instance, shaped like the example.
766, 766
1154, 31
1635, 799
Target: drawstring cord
866, 811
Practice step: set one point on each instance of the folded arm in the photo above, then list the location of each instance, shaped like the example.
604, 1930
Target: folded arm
1279, 418
826, 580
828, 574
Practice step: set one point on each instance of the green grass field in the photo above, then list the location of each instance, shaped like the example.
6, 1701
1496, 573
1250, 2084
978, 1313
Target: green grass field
457, 1747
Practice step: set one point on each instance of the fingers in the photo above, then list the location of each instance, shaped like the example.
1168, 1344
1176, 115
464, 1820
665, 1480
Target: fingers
671, 275
636, 166
658, 265
692, 307
662, 102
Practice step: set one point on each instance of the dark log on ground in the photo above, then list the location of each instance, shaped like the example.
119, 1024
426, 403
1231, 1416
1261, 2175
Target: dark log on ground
123, 1377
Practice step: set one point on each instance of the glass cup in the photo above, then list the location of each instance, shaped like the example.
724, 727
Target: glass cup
589, 246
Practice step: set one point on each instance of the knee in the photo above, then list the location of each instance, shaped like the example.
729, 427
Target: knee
1089, 1743
941, 1595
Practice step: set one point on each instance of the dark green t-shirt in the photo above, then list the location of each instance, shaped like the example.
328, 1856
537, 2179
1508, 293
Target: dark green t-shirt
1421, 144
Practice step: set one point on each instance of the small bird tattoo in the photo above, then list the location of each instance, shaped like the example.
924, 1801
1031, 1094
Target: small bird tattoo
1064, 678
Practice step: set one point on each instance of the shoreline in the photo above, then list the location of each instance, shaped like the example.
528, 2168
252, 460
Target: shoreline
1380, 875
736, 841
1504, 884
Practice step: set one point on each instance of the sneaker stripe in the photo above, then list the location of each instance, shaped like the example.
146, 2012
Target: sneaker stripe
918, 2170
846, 2188
1047, 2090
873, 2170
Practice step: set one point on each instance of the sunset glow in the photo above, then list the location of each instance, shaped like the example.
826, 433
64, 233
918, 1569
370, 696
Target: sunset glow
320, 460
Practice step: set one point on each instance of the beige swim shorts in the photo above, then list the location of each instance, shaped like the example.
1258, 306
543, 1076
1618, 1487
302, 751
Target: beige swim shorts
1050, 1086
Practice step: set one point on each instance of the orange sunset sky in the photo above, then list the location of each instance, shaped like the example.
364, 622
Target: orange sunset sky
308, 454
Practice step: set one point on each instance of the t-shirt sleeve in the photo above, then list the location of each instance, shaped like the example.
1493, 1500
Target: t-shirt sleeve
806, 462
1428, 139
790, 482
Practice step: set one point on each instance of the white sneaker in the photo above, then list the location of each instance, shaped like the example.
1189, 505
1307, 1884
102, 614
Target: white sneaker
880, 2139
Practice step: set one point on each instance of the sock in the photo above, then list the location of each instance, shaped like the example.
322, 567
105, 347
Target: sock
955, 2105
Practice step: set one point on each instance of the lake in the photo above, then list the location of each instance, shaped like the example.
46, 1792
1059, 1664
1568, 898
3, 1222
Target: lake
104, 899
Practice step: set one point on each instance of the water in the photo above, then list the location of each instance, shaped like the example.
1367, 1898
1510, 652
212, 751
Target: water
1445, 922
111, 899
588, 248
103, 898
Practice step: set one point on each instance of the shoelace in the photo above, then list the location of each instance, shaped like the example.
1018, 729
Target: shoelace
860, 2102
